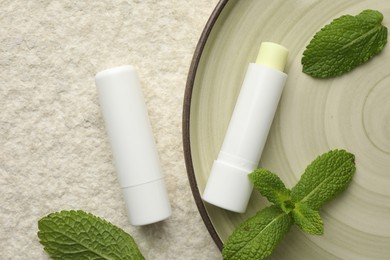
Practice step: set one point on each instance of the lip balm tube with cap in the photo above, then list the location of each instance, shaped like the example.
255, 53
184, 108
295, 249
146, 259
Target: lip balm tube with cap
228, 186
133, 147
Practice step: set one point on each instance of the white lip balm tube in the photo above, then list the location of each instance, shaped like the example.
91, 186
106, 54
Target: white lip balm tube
228, 185
133, 147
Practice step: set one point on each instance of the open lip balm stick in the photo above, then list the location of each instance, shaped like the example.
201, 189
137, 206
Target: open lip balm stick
133, 147
228, 186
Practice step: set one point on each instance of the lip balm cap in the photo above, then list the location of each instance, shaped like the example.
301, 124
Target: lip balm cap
133, 147
272, 55
147, 203
228, 187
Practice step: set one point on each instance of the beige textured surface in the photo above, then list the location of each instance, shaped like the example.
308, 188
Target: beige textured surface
54, 153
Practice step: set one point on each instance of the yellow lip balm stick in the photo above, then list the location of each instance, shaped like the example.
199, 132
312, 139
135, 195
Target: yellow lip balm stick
228, 186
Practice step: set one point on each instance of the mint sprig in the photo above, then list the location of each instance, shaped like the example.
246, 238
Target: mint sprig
344, 44
81, 235
328, 175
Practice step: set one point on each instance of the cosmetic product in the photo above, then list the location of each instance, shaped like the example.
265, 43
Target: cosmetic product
228, 185
133, 146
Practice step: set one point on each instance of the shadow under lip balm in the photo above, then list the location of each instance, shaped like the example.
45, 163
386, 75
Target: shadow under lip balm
133, 147
228, 186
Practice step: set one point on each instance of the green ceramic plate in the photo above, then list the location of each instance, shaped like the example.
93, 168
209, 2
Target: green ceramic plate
350, 112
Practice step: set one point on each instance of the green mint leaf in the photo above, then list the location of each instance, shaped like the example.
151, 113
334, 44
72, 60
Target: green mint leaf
271, 186
324, 178
307, 219
80, 235
258, 236
344, 44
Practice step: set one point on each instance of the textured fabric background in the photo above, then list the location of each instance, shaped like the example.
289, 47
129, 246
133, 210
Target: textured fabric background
54, 152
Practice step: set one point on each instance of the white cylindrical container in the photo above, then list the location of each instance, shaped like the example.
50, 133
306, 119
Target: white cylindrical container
228, 186
133, 147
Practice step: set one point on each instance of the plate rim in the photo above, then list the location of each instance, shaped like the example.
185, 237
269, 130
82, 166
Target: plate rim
186, 120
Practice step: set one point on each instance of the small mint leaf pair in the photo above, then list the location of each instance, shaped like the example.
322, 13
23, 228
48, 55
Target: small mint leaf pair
271, 186
323, 179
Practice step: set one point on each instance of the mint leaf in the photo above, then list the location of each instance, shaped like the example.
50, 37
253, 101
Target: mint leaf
80, 235
271, 186
344, 44
324, 178
307, 219
258, 236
